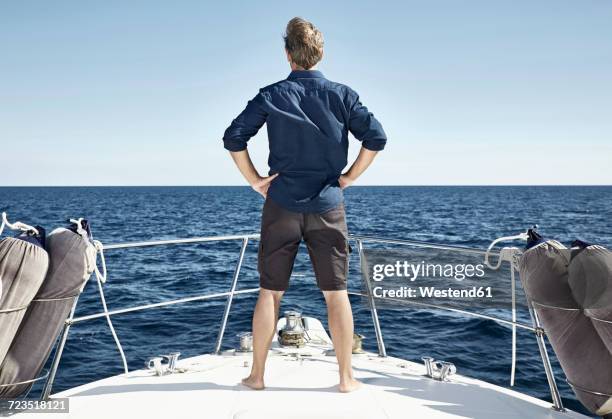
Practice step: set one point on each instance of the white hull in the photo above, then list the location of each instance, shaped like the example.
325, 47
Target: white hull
301, 383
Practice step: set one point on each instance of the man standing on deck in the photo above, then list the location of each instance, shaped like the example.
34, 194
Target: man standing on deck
308, 120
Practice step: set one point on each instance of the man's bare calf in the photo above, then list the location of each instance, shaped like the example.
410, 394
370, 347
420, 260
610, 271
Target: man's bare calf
340, 325
340, 318
264, 327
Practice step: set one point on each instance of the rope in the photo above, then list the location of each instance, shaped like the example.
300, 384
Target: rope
508, 254
521, 236
577, 387
79, 226
101, 279
33, 380
17, 225
56, 299
14, 309
513, 367
14, 226
100, 250
112, 328
601, 320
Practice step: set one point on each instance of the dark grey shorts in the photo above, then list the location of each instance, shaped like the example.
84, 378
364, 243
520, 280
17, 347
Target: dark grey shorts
326, 237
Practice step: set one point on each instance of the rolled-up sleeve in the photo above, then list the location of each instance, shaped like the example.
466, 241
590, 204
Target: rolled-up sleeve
364, 126
246, 125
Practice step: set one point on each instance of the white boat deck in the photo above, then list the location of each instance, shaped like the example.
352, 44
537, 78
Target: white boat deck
301, 383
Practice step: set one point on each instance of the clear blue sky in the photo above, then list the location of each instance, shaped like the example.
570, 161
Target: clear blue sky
139, 93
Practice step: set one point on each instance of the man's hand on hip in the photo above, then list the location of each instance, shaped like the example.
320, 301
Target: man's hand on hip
245, 165
262, 184
345, 181
363, 160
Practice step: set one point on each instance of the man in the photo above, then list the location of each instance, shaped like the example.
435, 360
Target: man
308, 119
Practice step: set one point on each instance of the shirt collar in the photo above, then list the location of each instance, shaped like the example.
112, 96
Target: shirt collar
305, 74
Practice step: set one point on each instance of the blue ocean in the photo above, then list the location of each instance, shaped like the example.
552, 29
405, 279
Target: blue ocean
466, 216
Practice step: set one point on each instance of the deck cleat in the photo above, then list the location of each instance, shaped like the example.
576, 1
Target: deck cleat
246, 342
358, 343
438, 370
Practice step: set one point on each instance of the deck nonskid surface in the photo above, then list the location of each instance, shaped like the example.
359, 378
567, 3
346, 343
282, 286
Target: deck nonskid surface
298, 387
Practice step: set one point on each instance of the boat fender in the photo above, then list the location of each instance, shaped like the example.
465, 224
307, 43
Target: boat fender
590, 276
545, 274
72, 261
23, 265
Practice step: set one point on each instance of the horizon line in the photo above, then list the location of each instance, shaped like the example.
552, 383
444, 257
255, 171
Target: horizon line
351, 187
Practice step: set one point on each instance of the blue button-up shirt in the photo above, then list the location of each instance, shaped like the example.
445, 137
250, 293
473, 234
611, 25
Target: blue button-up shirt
308, 119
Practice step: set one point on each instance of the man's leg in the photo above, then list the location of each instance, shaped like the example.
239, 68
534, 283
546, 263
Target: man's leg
264, 327
280, 238
340, 318
326, 237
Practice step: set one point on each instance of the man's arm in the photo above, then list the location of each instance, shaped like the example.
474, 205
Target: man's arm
235, 140
245, 165
246, 125
362, 162
369, 131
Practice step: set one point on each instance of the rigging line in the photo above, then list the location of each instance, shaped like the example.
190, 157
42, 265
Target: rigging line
17, 225
101, 278
513, 368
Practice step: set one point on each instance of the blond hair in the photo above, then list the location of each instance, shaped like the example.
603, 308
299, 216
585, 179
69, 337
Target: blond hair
304, 43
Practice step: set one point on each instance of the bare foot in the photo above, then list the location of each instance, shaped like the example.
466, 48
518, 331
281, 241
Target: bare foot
253, 383
349, 385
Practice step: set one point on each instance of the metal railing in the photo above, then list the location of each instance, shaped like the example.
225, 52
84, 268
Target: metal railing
536, 327
245, 239
229, 295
